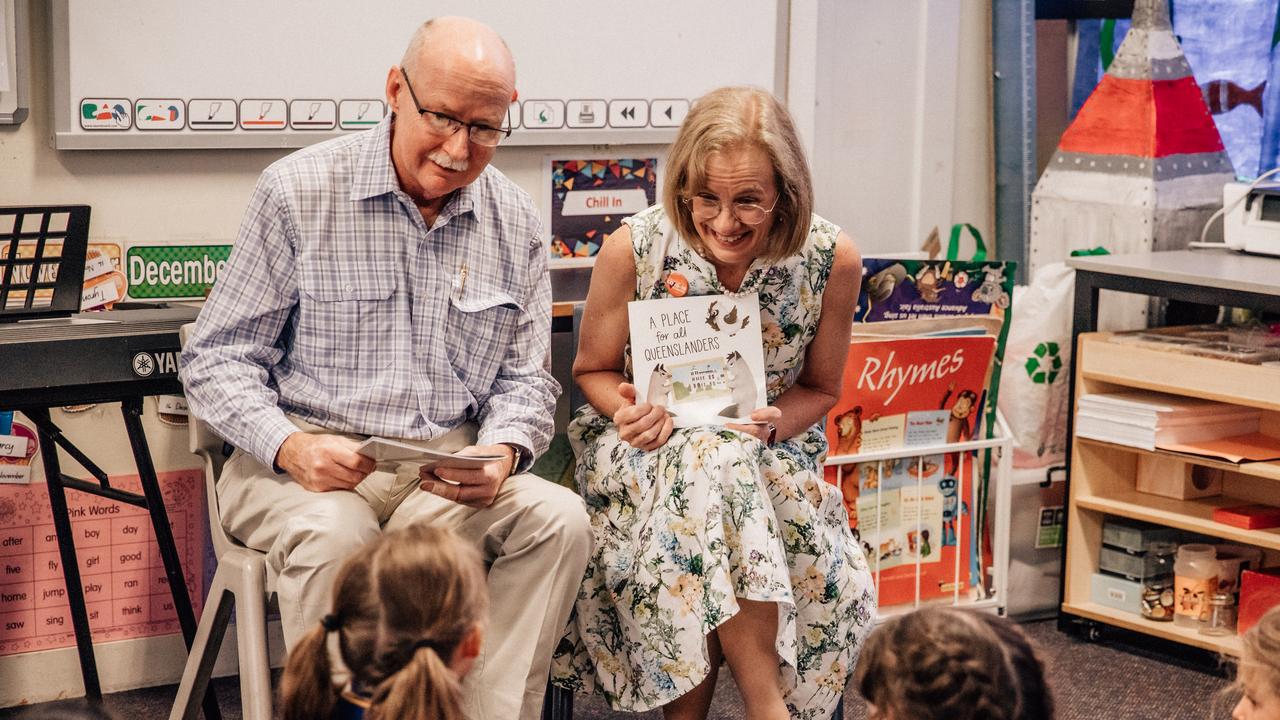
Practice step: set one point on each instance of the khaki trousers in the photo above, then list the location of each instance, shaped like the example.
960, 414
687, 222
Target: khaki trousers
535, 539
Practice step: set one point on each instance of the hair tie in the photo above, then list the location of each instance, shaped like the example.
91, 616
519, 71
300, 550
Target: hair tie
427, 643
331, 622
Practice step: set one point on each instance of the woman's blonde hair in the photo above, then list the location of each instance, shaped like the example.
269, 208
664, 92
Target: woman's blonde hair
735, 117
952, 664
401, 606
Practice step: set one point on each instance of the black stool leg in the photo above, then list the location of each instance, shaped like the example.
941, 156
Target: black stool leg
557, 704
67, 552
132, 410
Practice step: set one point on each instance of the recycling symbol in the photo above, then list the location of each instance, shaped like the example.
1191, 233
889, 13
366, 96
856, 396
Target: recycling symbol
1044, 364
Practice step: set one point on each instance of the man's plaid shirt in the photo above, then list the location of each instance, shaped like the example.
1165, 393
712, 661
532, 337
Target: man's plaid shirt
339, 305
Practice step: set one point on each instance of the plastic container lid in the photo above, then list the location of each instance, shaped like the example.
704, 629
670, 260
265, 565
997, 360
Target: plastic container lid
1197, 550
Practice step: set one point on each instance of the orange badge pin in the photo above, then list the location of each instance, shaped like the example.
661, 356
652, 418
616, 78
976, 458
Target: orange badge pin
677, 285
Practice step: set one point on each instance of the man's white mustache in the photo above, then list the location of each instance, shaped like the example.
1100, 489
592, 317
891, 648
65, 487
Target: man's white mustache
444, 160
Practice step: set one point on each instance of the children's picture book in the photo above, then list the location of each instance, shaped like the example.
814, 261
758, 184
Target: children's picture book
909, 513
701, 357
909, 392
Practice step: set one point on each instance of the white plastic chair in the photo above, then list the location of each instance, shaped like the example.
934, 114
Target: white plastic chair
240, 582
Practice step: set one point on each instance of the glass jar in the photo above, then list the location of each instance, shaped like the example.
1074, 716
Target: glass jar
1158, 581
1221, 616
1195, 581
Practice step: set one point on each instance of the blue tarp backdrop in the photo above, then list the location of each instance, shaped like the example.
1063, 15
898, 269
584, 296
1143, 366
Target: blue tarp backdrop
1231, 45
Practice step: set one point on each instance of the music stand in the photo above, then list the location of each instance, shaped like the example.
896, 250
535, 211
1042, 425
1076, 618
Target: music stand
42, 252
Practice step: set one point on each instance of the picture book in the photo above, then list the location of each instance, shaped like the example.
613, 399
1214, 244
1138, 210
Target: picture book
700, 357
898, 392
909, 392
913, 514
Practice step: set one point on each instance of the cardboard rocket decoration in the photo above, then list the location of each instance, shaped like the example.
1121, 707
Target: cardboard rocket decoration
1142, 166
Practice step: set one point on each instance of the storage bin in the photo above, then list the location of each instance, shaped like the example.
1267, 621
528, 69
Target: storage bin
1117, 592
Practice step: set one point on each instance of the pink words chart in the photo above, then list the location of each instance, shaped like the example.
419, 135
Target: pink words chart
126, 591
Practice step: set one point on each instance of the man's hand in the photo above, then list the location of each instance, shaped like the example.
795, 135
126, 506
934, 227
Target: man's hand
475, 487
321, 463
644, 426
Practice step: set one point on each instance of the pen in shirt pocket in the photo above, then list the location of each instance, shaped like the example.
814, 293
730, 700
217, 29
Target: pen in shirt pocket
460, 282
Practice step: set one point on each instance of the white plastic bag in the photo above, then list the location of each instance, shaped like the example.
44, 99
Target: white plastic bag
1033, 386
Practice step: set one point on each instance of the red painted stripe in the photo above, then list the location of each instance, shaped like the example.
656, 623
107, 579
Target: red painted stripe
1117, 119
1143, 118
1184, 125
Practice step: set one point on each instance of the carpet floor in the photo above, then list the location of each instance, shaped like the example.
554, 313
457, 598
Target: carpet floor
1091, 681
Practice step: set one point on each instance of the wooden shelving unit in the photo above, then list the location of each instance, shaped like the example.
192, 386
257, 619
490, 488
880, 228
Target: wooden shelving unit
1102, 474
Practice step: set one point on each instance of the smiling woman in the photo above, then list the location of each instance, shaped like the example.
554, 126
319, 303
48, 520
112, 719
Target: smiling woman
717, 542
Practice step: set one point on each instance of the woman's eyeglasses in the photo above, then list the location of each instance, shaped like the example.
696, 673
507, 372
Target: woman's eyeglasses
706, 207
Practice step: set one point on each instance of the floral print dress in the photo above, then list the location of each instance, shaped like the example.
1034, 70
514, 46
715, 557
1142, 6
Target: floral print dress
715, 515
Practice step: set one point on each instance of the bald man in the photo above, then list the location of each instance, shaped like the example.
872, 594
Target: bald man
392, 283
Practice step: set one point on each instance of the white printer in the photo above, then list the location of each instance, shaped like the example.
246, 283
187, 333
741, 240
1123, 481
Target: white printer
1252, 219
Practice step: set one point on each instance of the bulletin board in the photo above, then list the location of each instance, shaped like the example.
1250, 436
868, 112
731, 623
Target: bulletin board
246, 73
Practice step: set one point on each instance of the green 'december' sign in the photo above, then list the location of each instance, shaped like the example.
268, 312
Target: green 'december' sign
174, 271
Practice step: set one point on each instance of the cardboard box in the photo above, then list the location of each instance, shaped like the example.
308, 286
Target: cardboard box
1116, 592
1259, 592
1174, 478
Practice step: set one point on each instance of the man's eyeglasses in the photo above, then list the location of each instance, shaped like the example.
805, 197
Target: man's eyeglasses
446, 125
707, 207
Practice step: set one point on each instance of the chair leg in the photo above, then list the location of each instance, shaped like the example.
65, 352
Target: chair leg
204, 651
557, 704
251, 637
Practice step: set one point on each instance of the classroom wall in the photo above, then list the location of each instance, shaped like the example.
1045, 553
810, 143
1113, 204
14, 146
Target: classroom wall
894, 111
902, 130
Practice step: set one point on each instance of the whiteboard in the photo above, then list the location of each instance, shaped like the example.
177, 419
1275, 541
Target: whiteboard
248, 73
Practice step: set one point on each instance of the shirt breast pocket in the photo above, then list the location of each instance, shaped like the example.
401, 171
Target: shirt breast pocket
481, 329
345, 322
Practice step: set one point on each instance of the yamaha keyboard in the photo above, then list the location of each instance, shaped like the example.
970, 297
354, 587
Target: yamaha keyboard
92, 357
55, 356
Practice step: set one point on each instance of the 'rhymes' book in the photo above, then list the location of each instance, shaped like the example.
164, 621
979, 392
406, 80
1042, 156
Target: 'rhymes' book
898, 392
909, 391
700, 357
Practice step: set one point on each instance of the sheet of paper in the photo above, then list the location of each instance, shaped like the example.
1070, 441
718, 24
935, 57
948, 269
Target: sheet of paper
387, 450
1254, 447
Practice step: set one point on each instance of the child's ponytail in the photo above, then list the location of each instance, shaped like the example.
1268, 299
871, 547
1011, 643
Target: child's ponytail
306, 688
424, 688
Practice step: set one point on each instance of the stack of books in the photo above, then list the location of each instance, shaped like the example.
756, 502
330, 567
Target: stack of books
1148, 420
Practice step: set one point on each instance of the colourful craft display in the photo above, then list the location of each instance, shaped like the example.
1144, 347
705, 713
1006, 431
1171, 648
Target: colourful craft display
1142, 166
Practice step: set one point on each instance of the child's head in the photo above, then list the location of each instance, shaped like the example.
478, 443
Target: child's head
1259, 675
408, 610
956, 664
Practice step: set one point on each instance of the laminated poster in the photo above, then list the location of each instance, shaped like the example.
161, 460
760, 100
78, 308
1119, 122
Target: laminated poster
589, 199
